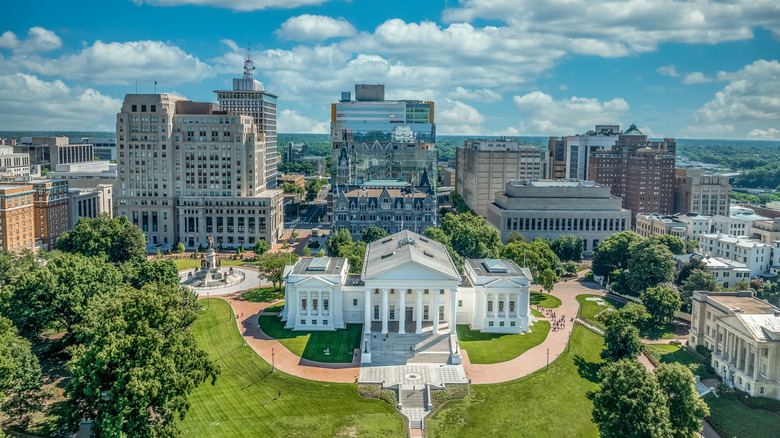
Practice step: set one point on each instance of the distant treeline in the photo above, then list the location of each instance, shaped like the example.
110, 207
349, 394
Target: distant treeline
759, 160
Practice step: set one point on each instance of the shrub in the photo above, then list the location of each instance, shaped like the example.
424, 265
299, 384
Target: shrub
589, 276
704, 351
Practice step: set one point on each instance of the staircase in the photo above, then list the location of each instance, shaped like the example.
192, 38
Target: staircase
413, 407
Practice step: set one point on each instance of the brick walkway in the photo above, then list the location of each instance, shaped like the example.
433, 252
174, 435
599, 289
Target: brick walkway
536, 357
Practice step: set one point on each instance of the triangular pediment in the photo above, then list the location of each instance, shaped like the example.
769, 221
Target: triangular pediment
737, 325
314, 281
505, 283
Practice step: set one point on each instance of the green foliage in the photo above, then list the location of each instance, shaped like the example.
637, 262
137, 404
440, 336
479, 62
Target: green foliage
686, 409
21, 391
742, 285
630, 403
440, 236
271, 266
691, 246
321, 252
374, 233
649, 264
537, 256
307, 252
313, 188
291, 188
336, 240
141, 272
662, 303
673, 243
340, 244
568, 247
460, 205
621, 340
471, 236
159, 253
13, 265
570, 267
286, 167
694, 264
136, 363
516, 236
698, 279
261, 247
546, 279
180, 248
612, 253
486, 348
115, 237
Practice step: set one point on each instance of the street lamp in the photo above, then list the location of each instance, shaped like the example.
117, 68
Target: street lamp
548, 360
273, 363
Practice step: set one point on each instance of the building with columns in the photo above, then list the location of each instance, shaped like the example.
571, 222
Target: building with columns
409, 284
743, 333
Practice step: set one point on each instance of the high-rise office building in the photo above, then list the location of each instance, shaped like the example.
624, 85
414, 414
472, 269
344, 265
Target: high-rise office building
374, 138
248, 97
570, 156
639, 171
187, 170
485, 166
698, 191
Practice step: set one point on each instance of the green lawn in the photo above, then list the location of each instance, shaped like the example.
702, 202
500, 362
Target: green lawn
312, 345
236, 405
536, 313
550, 403
263, 294
665, 331
731, 418
276, 307
589, 309
545, 300
498, 347
182, 264
667, 353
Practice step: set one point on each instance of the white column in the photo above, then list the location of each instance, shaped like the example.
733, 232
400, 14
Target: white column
495, 305
484, 306
755, 365
453, 309
385, 313
309, 305
402, 315
320, 307
419, 311
435, 311
367, 316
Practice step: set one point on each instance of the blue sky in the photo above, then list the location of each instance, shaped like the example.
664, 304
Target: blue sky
693, 69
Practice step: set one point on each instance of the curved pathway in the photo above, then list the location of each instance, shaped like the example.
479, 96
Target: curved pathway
536, 358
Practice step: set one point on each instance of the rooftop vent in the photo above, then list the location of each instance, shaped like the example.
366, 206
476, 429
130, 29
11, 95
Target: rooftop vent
387, 240
495, 266
387, 255
318, 264
428, 254
406, 241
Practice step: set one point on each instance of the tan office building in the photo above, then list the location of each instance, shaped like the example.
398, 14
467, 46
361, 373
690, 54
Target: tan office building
744, 335
700, 192
187, 170
484, 166
16, 218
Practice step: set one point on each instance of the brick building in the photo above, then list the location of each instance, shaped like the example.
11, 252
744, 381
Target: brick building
16, 218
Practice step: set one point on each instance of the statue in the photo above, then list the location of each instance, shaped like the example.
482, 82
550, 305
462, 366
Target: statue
210, 241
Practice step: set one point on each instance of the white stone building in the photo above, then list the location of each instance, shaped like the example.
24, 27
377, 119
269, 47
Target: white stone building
744, 335
727, 272
755, 255
733, 225
409, 284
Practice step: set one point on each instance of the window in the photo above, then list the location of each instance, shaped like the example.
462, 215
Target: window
354, 302
490, 323
501, 323
303, 304
314, 322
325, 321
762, 390
490, 306
460, 303
512, 323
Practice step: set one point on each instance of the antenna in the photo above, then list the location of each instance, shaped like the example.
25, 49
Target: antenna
248, 64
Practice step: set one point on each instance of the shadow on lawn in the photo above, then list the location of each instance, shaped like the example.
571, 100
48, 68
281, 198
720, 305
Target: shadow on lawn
587, 370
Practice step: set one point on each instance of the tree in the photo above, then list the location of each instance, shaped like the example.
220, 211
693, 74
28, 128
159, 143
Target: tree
374, 233
21, 390
138, 273
337, 239
661, 303
460, 205
159, 253
691, 246
136, 363
697, 280
321, 252
293, 234
629, 403
354, 253
471, 236
307, 252
547, 280
612, 253
694, 263
261, 247
673, 243
686, 408
115, 237
438, 235
742, 285
568, 247
649, 264
180, 248
13, 265
570, 267
515, 236
621, 340
537, 256
632, 313
271, 266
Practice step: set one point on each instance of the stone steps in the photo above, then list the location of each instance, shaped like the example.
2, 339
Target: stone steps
430, 357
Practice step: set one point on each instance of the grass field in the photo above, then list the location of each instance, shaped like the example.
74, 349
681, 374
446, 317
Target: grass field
312, 345
276, 307
544, 404
589, 309
498, 347
536, 313
733, 419
263, 294
545, 300
182, 264
667, 353
236, 405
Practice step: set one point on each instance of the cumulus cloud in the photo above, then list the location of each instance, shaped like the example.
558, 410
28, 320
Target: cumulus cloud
239, 5
545, 115
696, 78
764, 134
120, 63
38, 40
482, 95
459, 118
752, 95
314, 28
30, 103
667, 70
292, 122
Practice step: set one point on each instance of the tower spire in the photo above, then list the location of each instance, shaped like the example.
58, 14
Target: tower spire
248, 64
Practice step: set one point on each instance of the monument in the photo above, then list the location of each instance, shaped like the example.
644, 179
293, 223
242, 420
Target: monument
210, 274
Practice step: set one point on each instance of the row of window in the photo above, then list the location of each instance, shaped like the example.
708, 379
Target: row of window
565, 224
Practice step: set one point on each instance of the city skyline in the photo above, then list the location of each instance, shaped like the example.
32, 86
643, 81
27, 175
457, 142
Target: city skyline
695, 70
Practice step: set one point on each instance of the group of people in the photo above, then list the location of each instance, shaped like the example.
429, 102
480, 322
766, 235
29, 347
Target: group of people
557, 323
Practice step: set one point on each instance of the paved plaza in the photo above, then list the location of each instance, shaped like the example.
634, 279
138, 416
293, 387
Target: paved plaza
251, 281
398, 349
413, 375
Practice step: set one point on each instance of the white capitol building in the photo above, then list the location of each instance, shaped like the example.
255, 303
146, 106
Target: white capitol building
409, 284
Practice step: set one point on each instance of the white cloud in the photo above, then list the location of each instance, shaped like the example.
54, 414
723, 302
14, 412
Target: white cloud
29, 103
761, 134
314, 28
459, 118
120, 63
239, 5
547, 116
38, 40
292, 122
482, 95
667, 70
752, 95
696, 78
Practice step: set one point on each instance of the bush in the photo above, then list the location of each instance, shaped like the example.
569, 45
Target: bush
704, 351
314, 244
589, 276
451, 391
375, 390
